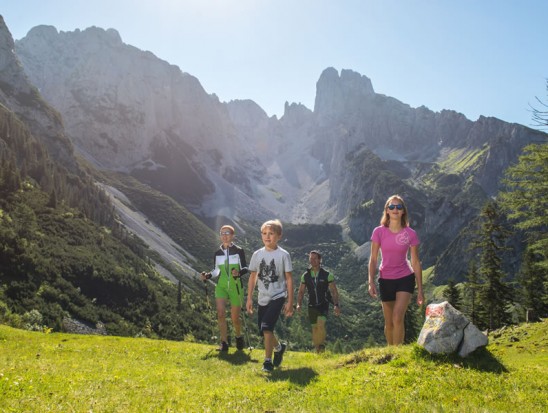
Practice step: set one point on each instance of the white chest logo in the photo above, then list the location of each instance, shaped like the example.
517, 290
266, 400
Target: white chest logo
403, 238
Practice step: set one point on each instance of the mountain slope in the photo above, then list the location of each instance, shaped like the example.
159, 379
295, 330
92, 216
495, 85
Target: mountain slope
63, 254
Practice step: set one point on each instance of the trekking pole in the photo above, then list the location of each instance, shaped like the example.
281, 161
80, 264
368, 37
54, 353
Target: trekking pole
243, 317
213, 336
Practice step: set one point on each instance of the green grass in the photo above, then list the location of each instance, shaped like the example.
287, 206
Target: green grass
461, 160
70, 373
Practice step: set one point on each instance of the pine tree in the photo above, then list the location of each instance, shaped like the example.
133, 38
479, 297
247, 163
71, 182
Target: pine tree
337, 347
179, 295
471, 290
52, 203
533, 288
413, 322
526, 200
452, 294
494, 292
370, 342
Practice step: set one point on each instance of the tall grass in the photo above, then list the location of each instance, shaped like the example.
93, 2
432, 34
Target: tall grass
71, 373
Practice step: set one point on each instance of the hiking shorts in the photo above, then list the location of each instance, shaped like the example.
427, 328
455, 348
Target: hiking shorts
268, 314
318, 311
231, 291
388, 287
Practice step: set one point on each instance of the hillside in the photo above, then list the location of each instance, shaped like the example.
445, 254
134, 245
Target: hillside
61, 372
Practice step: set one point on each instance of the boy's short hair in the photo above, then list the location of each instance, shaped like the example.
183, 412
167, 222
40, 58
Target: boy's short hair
275, 224
317, 253
229, 227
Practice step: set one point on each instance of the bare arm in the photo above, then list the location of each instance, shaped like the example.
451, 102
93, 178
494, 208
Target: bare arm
335, 295
289, 304
300, 296
373, 269
250, 288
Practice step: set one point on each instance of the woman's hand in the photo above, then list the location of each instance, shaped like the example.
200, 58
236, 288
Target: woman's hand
420, 298
372, 290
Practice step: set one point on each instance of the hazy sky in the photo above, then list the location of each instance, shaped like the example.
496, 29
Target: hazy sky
478, 57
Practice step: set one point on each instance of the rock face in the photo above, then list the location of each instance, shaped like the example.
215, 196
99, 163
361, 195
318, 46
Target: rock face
130, 97
19, 95
446, 330
127, 110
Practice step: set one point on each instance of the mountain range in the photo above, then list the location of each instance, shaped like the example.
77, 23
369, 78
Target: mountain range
135, 121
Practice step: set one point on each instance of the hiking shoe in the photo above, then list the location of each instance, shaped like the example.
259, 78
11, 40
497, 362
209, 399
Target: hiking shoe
223, 346
268, 366
240, 343
279, 355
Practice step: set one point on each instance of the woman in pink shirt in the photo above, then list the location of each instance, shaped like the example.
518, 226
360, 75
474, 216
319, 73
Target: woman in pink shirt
397, 275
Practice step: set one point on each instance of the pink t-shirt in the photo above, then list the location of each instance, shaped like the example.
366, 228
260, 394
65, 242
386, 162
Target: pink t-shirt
394, 250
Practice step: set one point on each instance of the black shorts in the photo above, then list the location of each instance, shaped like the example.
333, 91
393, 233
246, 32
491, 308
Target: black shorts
388, 287
268, 314
318, 311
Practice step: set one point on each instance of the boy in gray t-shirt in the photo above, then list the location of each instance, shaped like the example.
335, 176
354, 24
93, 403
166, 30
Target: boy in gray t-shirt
271, 270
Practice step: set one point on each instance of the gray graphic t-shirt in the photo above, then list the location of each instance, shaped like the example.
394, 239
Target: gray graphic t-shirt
271, 267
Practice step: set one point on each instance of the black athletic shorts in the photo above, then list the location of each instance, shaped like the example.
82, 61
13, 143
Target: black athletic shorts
388, 287
318, 311
268, 314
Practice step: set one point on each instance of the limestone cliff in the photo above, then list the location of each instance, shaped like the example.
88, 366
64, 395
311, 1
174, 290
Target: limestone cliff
20, 96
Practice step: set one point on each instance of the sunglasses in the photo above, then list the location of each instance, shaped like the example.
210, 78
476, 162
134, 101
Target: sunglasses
226, 233
399, 207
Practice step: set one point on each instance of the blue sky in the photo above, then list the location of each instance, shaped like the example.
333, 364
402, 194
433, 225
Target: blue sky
478, 57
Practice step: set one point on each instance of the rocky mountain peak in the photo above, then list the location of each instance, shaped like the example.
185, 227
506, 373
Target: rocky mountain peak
116, 99
90, 36
296, 113
336, 94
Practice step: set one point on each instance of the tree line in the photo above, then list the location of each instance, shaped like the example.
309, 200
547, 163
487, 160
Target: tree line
487, 296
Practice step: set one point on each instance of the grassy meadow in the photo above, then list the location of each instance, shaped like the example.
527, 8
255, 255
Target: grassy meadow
74, 373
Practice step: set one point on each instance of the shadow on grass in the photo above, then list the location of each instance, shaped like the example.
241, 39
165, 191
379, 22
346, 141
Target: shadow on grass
236, 358
301, 376
481, 360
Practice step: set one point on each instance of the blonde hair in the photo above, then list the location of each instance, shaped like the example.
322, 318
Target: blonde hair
385, 218
275, 224
230, 227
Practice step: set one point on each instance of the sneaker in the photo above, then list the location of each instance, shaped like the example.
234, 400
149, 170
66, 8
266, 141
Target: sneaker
240, 343
268, 366
223, 346
279, 355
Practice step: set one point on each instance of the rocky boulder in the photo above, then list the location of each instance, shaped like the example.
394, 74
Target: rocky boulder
446, 330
